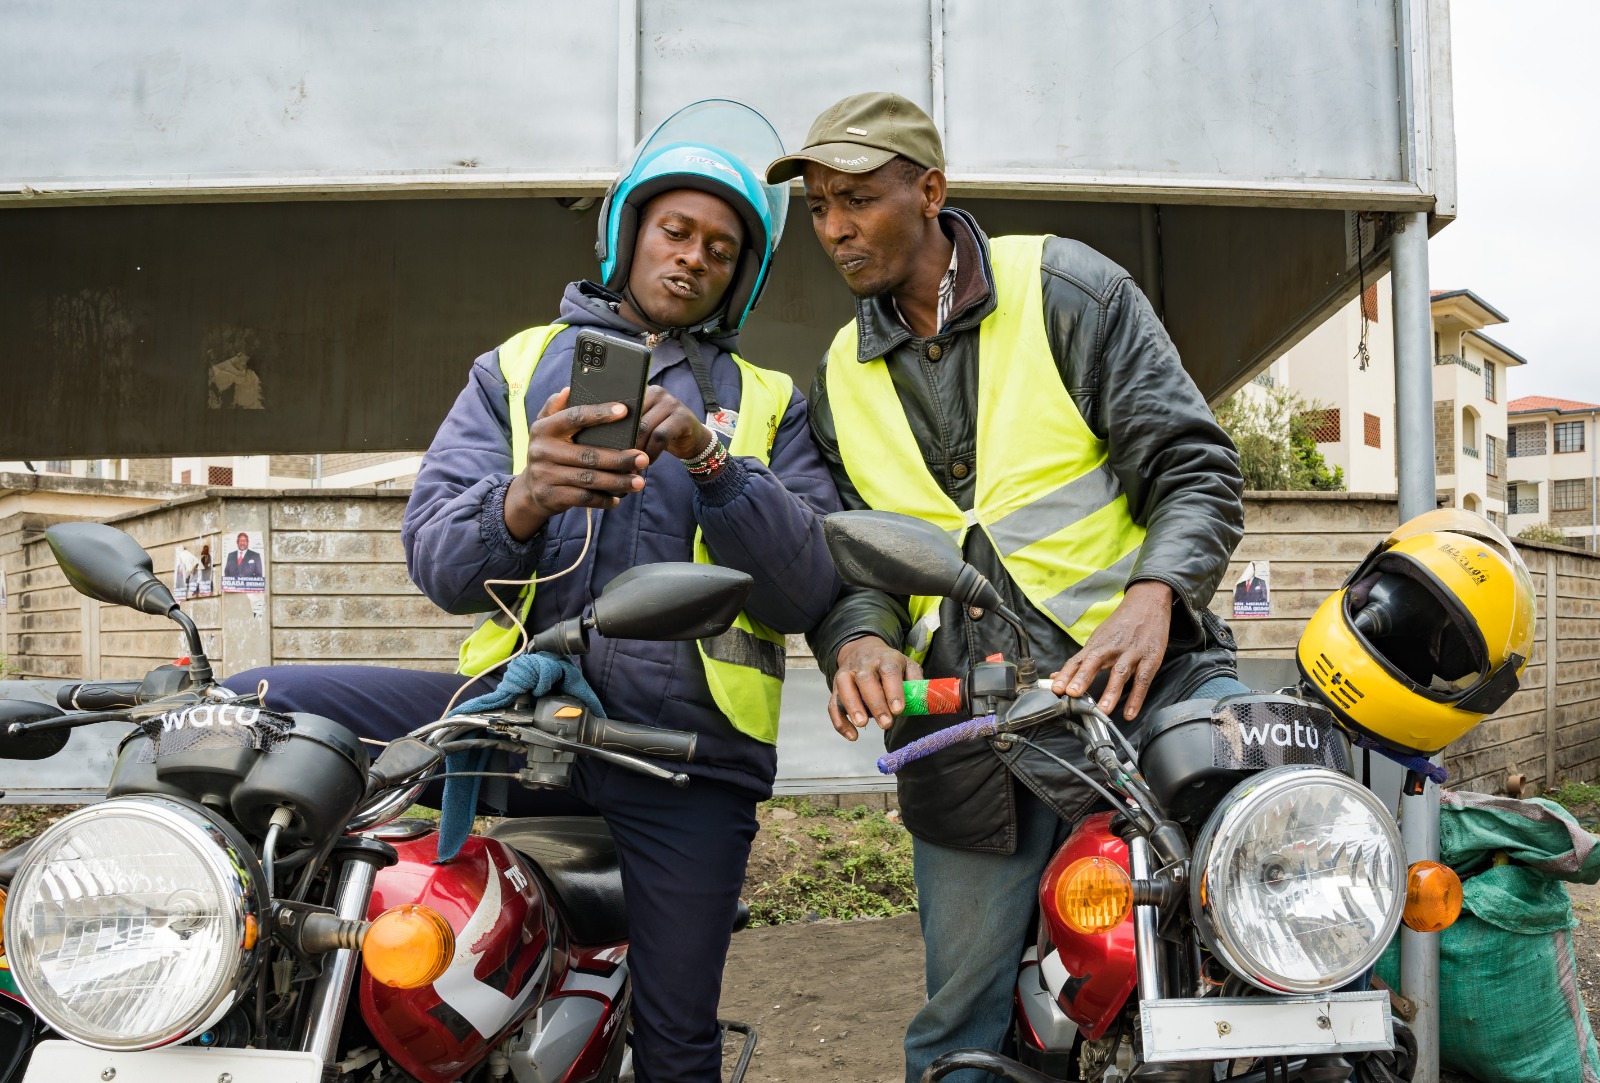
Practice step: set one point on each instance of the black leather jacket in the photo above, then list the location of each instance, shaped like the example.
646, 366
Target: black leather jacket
1178, 467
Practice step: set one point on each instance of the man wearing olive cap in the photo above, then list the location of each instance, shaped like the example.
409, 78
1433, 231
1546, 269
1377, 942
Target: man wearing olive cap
1023, 386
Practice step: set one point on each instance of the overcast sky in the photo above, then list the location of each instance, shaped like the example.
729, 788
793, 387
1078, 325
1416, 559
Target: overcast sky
1527, 239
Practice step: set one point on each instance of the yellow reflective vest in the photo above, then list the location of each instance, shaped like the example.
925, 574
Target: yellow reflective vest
745, 665
1044, 493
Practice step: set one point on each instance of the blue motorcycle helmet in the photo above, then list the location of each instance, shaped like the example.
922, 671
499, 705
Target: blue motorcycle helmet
705, 146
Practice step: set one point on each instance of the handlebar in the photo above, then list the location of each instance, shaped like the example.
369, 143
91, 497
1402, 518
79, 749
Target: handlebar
98, 695
986, 726
610, 735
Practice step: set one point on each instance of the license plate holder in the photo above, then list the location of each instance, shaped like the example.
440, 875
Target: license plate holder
1219, 1028
55, 1061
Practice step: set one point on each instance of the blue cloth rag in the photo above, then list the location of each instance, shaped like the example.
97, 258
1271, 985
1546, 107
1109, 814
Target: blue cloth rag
534, 674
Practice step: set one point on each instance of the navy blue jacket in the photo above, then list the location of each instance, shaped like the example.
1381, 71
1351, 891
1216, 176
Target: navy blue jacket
767, 522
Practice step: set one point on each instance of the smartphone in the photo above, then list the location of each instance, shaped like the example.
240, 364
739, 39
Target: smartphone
606, 368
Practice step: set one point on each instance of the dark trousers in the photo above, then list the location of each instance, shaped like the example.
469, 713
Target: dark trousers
683, 854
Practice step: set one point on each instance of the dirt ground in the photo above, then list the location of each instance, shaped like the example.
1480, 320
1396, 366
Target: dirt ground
829, 1000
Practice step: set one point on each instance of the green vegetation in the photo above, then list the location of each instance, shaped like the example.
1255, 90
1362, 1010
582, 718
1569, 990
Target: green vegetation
1577, 796
1542, 532
1274, 430
19, 823
828, 863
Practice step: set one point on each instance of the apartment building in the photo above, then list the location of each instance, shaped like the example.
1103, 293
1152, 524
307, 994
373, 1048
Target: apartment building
1347, 365
1551, 450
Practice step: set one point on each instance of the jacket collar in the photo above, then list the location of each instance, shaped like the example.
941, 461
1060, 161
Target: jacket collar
879, 329
589, 304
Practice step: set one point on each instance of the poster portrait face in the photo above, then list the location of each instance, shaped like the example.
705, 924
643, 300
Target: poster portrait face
244, 569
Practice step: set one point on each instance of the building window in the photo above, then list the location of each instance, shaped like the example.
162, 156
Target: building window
1571, 494
1371, 430
1369, 304
1322, 425
1525, 440
185, 476
1522, 499
1488, 380
219, 475
1490, 453
1569, 436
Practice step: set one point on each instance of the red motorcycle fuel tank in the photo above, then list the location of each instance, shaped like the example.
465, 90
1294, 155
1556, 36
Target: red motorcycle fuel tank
509, 952
1091, 976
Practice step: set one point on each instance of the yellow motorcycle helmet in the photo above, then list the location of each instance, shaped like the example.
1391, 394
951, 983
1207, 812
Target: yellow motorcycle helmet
1428, 637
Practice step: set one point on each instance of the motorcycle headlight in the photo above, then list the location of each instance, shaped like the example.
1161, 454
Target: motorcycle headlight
1299, 879
134, 923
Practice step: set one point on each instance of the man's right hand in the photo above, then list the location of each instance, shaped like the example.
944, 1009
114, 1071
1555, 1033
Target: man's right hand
869, 685
560, 474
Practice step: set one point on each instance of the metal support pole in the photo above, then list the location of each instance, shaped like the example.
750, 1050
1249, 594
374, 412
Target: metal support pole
330, 994
1147, 939
1413, 392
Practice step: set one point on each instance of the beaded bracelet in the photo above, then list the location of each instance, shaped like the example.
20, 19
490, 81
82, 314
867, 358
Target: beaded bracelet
705, 453
714, 461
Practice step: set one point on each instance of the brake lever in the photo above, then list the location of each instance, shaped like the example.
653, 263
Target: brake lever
631, 763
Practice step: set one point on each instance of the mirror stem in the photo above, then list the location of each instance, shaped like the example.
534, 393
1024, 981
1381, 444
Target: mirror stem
199, 664
1027, 669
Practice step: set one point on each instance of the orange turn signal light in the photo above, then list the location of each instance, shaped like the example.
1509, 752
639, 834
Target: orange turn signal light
2, 921
1093, 895
1433, 897
408, 947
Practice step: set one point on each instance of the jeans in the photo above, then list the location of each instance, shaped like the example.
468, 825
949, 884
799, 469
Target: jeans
978, 913
682, 853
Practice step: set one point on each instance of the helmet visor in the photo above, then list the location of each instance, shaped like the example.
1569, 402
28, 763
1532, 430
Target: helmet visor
732, 128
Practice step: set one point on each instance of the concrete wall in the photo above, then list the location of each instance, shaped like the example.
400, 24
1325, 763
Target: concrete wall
338, 592
1548, 732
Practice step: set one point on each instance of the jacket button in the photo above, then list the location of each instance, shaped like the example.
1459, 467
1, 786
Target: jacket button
934, 352
959, 470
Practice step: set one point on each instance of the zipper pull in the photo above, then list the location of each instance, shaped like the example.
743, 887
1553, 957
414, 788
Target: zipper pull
652, 339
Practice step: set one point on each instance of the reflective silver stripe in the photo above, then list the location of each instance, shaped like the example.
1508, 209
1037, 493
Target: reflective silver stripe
738, 647
1054, 511
1070, 605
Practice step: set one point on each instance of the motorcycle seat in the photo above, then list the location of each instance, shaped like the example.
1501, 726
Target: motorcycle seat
11, 861
577, 858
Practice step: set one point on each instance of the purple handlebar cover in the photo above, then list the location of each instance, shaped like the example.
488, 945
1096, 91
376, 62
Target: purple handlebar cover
926, 746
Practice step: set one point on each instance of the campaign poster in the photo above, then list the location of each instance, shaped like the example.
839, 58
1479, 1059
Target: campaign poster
192, 573
1252, 591
244, 569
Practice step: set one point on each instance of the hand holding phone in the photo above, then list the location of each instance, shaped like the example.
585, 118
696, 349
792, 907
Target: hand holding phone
670, 426
560, 473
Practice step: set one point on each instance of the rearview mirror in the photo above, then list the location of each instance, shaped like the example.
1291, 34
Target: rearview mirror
671, 601
30, 746
901, 554
104, 563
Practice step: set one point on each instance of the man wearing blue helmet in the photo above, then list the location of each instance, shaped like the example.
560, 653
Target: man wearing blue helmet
725, 472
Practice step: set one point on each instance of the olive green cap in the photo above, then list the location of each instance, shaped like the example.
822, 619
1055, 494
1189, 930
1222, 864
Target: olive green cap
861, 133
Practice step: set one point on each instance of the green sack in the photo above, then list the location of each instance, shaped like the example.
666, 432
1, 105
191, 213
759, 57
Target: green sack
1509, 1006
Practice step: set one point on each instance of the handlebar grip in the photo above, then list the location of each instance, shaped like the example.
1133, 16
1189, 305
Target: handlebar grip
939, 696
98, 695
970, 730
660, 744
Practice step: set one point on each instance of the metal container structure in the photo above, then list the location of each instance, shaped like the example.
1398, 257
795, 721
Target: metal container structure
252, 228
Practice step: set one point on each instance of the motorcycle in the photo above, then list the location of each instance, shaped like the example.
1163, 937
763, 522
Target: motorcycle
248, 903
1219, 921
